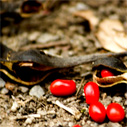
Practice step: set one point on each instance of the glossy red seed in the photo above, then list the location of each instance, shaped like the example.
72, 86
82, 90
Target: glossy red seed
115, 112
97, 112
77, 125
62, 87
106, 73
91, 91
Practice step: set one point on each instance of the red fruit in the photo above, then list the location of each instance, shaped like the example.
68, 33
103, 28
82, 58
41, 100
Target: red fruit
61, 87
106, 73
115, 112
77, 125
91, 91
97, 112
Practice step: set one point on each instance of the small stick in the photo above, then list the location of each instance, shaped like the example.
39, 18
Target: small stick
80, 86
40, 46
65, 107
74, 111
25, 116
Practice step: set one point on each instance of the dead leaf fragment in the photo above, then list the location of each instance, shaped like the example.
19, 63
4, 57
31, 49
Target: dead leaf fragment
121, 39
12, 87
112, 36
88, 15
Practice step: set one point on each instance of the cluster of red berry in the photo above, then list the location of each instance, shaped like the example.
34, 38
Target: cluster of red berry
97, 111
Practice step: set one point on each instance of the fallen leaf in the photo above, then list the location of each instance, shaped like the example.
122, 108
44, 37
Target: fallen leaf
112, 36
88, 15
121, 39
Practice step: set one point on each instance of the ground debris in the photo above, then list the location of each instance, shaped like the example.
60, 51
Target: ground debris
73, 110
57, 31
37, 91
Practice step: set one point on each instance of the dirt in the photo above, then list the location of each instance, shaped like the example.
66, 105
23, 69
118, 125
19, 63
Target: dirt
57, 31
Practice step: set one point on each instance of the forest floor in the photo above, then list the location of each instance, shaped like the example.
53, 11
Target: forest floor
58, 31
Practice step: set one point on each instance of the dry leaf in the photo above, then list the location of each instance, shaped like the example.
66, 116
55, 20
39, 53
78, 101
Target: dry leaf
121, 39
88, 15
112, 36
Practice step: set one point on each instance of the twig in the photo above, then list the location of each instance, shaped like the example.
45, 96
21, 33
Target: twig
65, 107
25, 116
80, 86
47, 45
72, 110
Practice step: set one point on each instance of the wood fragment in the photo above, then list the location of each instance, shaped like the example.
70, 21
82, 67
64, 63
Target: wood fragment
80, 87
25, 116
47, 45
74, 111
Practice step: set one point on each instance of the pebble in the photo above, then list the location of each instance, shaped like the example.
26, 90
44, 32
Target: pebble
42, 112
78, 7
37, 91
14, 106
81, 6
126, 95
33, 36
94, 124
111, 124
29, 120
52, 124
23, 89
2, 83
47, 37
106, 101
117, 99
83, 121
88, 121
103, 125
70, 124
4, 91
125, 103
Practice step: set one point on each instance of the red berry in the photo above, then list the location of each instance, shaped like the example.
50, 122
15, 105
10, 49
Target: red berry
61, 87
106, 73
77, 125
115, 112
91, 91
97, 112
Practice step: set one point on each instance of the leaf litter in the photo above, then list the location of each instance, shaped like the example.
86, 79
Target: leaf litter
33, 111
